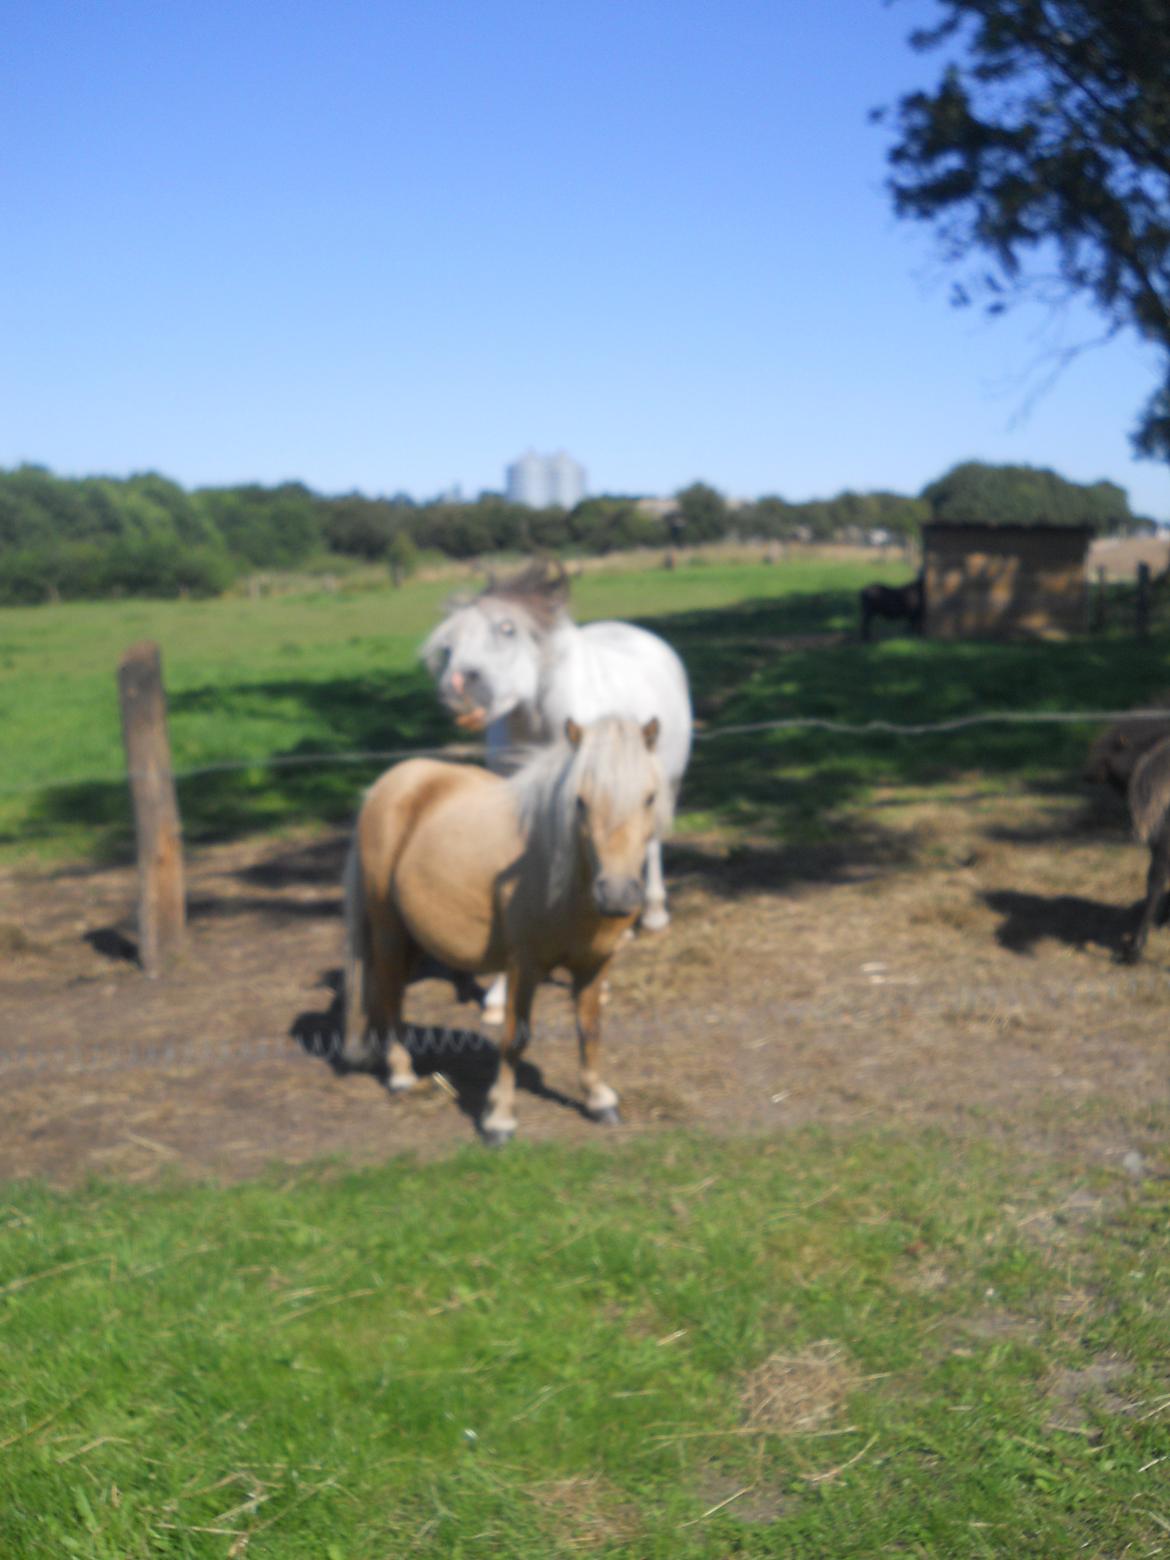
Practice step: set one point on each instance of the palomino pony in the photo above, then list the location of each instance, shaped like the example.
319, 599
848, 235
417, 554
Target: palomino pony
513, 662
488, 874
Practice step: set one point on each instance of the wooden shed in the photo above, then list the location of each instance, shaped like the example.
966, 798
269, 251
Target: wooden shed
1005, 581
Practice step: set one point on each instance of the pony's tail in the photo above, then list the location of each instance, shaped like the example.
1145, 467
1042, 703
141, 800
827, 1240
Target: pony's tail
354, 968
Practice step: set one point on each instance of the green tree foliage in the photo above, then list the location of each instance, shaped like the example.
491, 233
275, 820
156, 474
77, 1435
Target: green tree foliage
1025, 495
265, 527
101, 536
703, 512
603, 525
853, 516
402, 556
365, 527
144, 535
1045, 151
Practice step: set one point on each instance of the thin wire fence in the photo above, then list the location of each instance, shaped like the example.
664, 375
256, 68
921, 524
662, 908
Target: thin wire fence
750, 728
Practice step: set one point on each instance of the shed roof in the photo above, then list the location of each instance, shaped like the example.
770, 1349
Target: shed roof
1044, 527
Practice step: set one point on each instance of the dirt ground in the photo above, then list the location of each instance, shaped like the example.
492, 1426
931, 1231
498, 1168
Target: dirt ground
955, 966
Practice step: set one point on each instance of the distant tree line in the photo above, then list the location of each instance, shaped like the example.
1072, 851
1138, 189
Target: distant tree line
68, 539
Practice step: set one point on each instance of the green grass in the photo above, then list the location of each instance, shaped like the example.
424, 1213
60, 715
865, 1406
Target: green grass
460, 1359
291, 678
283, 676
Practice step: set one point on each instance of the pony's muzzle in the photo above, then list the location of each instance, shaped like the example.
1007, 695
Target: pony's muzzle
618, 896
463, 691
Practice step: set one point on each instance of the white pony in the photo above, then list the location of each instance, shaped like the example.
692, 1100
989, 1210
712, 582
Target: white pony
513, 663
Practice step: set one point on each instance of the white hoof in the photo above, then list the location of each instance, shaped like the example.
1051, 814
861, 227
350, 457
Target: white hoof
655, 918
400, 1083
497, 1128
602, 1104
359, 1058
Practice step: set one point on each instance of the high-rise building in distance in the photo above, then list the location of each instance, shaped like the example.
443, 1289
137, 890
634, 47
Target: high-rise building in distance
543, 480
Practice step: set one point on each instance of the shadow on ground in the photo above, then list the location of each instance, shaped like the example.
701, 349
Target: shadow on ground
465, 1059
1079, 923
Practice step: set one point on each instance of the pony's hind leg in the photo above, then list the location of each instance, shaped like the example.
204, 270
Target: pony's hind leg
655, 917
389, 966
600, 1100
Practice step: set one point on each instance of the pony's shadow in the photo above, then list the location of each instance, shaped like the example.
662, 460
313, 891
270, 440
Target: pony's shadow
1080, 923
112, 944
466, 1059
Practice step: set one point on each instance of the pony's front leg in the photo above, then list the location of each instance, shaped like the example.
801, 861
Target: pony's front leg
498, 1125
655, 916
600, 1100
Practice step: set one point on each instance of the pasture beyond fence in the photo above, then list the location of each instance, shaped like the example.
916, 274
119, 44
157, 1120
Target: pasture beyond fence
158, 829
797, 718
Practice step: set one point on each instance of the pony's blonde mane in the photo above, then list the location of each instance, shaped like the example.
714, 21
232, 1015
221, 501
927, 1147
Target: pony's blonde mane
613, 760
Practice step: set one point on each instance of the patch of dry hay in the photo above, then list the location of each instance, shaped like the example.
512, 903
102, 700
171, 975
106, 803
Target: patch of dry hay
1074, 1395
795, 1394
586, 1511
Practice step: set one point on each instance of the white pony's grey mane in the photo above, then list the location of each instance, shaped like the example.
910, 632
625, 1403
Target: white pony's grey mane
540, 588
537, 595
613, 757
535, 611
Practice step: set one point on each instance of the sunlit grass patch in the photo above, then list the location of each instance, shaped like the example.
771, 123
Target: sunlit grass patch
558, 1351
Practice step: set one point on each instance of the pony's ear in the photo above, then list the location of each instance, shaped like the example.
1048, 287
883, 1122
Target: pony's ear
650, 734
573, 733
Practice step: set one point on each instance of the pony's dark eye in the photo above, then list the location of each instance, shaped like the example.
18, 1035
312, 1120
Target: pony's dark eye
651, 798
582, 807
506, 627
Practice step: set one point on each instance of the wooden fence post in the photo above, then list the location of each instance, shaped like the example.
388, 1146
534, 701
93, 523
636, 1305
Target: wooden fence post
162, 905
1142, 609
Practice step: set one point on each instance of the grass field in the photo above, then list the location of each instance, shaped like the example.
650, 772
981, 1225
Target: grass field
824, 1342
282, 676
292, 678
806, 1347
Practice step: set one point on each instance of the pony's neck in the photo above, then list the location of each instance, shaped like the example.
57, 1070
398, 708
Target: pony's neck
563, 676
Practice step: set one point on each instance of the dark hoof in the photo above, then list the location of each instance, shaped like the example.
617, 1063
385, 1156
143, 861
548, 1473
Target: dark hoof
609, 1117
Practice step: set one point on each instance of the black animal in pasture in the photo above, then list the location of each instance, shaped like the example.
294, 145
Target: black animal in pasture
1134, 756
894, 601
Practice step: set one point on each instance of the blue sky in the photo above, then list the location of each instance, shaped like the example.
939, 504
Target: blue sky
389, 246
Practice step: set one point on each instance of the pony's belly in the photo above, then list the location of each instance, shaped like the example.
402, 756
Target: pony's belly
447, 893
464, 945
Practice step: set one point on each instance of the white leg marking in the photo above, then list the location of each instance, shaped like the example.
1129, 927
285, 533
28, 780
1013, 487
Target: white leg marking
655, 916
401, 1070
494, 1000
602, 1097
